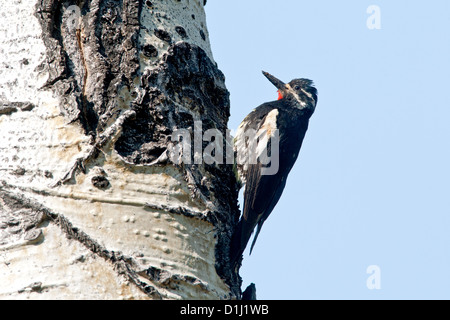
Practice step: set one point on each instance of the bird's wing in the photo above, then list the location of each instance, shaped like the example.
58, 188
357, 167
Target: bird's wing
250, 125
261, 194
264, 188
262, 191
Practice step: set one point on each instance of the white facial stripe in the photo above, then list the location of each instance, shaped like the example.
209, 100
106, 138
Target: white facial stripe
307, 93
309, 96
292, 91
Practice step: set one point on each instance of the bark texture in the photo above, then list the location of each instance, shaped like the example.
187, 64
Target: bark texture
90, 204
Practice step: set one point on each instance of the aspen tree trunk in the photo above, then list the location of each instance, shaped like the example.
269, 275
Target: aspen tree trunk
91, 205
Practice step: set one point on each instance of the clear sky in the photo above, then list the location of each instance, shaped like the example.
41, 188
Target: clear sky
371, 186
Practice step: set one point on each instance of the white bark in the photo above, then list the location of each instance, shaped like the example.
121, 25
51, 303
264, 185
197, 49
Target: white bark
78, 220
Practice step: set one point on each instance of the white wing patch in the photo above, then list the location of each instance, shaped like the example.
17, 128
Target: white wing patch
250, 144
266, 132
309, 96
270, 123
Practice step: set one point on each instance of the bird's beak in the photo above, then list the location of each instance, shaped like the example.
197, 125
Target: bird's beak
276, 82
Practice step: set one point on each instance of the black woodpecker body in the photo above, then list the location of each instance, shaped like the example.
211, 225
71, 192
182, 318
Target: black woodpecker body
287, 121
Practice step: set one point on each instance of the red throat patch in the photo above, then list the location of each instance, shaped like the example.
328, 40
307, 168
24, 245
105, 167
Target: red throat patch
280, 96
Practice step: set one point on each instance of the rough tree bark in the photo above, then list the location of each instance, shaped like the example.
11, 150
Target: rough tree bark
91, 207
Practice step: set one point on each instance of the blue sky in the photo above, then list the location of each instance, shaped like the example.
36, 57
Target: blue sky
371, 186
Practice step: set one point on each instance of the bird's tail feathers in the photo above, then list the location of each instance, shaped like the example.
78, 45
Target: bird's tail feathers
258, 230
239, 241
241, 238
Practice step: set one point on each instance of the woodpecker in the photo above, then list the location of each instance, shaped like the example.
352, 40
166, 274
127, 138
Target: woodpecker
286, 120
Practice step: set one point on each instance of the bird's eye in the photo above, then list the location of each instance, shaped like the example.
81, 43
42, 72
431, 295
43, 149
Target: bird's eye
297, 88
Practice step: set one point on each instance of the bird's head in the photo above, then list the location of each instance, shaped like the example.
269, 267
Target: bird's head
300, 92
